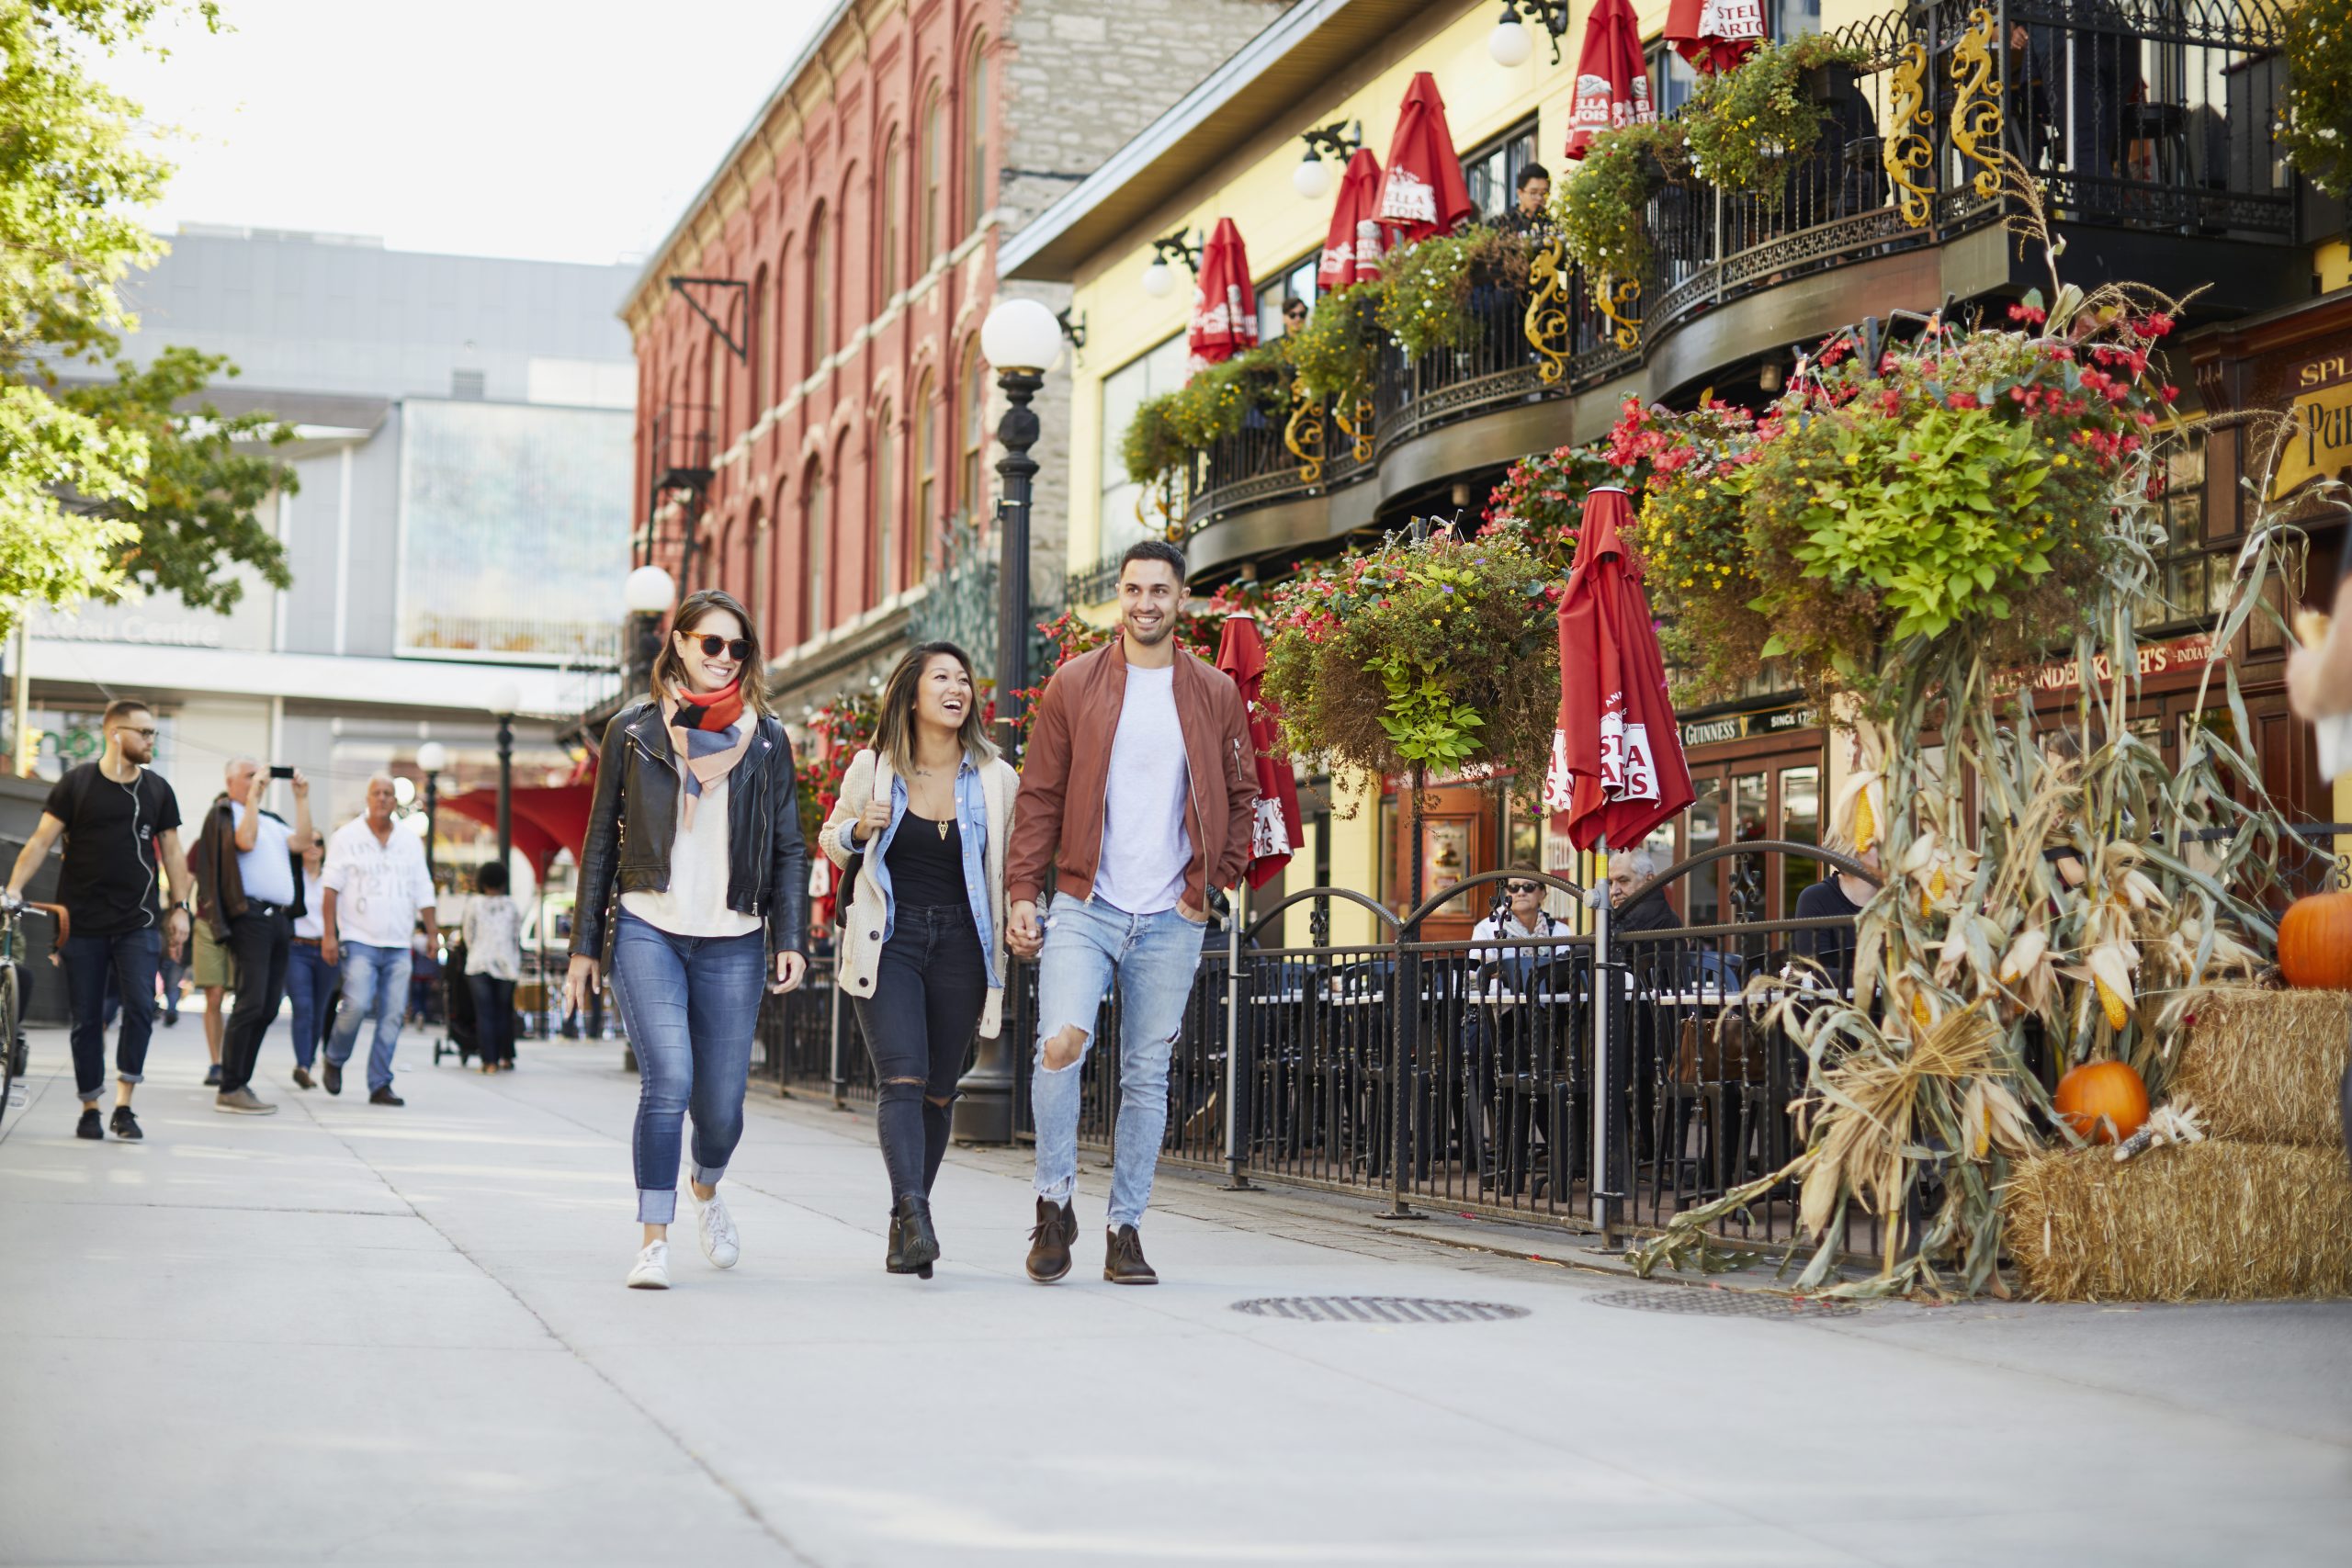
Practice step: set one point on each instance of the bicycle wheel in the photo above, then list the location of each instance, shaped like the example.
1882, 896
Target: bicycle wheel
9, 1063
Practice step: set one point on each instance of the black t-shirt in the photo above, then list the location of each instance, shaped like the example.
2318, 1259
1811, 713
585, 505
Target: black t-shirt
926, 861
1831, 948
108, 883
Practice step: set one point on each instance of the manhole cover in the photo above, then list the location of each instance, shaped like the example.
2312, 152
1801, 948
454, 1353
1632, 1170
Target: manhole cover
1722, 1303
1378, 1309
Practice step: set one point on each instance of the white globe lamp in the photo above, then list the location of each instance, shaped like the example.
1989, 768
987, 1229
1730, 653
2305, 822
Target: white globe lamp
1160, 278
504, 699
432, 757
649, 591
1022, 334
1311, 179
1509, 45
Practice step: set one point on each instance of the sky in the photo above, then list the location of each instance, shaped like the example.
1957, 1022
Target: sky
553, 129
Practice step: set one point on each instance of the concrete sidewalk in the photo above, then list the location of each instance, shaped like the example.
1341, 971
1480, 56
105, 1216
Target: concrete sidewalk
355, 1335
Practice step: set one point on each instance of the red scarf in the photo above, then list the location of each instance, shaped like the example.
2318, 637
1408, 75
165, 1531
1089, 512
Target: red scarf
717, 711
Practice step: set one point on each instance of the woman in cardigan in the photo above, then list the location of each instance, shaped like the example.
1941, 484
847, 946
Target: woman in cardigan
923, 820
695, 836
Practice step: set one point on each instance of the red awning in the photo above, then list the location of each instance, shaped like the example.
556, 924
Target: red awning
545, 819
1423, 192
1715, 35
1612, 80
1275, 834
1618, 740
1352, 249
1224, 304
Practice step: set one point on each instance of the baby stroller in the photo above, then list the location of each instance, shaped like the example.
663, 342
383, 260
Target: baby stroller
459, 1039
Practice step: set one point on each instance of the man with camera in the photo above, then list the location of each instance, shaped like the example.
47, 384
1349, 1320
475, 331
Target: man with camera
252, 882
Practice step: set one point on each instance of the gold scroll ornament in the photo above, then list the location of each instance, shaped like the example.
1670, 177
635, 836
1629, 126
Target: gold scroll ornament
1618, 301
1550, 328
1303, 433
1909, 151
1976, 106
1357, 428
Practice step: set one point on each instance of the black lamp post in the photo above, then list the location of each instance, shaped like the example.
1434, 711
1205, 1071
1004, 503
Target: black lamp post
1023, 340
431, 758
504, 700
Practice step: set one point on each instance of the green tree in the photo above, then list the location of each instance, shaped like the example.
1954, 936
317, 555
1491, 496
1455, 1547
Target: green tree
77, 175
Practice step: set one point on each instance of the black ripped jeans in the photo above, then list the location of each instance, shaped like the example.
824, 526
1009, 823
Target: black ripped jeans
928, 991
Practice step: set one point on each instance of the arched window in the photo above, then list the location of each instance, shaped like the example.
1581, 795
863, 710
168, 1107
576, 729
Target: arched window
714, 363
975, 136
883, 528
821, 288
782, 315
816, 530
926, 518
849, 213
888, 239
930, 221
755, 572
973, 426
762, 394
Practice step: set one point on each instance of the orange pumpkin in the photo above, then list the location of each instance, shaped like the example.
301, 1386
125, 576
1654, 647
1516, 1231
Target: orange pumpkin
2315, 942
2103, 1090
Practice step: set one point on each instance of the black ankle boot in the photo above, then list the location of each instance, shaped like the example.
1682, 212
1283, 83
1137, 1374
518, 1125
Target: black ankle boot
895, 1262
918, 1245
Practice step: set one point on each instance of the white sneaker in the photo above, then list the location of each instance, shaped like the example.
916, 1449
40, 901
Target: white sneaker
715, 1228
651, 1270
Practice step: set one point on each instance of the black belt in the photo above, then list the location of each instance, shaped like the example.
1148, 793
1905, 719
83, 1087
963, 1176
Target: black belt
263, 907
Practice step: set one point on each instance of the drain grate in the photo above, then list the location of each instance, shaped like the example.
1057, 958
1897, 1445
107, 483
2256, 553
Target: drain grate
1722, 1303
1378, 1309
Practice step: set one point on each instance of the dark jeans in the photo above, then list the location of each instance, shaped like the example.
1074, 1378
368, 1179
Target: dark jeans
171, 975
929, 987
127, 960
691, 1005
259, 941
493, 1017
312, 983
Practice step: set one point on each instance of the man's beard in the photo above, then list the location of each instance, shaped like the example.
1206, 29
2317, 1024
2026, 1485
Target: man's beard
1152, 639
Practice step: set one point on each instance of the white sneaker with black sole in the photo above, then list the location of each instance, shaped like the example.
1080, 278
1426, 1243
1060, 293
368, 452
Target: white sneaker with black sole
652, 1270
715, 1228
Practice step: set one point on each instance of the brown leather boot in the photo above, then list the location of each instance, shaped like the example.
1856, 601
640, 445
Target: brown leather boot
1122, 1261
1050, 1241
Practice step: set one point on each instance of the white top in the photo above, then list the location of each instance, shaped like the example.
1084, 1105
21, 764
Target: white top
1504, 928
378, 887
695, 901
493, 933
312, 921
1145, 846
266, 873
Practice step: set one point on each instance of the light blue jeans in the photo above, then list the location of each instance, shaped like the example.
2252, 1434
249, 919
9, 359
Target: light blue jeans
691, 1005
375, 980
1153, 958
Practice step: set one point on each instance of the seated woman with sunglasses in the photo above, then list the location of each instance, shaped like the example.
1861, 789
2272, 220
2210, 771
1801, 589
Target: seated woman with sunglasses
695, 836
923, 821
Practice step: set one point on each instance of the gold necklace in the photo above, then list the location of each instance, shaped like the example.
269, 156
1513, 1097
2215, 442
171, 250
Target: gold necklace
942, 831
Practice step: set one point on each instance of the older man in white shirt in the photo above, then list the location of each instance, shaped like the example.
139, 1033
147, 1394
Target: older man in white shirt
377, 885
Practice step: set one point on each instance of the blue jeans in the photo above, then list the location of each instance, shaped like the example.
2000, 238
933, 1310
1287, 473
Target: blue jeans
312, 982
126, 961
691, 1005
1153, 958
375, 981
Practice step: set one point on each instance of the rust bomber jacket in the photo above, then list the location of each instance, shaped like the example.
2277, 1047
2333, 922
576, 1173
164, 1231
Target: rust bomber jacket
1065, 774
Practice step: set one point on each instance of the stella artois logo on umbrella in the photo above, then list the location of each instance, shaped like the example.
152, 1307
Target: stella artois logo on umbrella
1600, 107
1732, 21
1407, 198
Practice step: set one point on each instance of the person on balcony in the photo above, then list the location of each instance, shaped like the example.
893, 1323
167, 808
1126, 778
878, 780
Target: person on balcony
694, 840
1531, 213
919, 834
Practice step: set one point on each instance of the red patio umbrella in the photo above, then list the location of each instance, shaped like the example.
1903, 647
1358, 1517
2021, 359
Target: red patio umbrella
1715, 35
1622, 746
1274, 836
1612, 81
539, 845
1224, 306
1423, 192
1353, 247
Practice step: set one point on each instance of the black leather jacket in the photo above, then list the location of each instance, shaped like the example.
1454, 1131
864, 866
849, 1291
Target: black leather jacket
635, 819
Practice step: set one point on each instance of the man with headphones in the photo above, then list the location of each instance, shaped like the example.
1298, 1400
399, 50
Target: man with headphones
120, 823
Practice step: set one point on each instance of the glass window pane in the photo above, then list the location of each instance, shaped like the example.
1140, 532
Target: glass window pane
1800, 823
1748, 825
1703, 897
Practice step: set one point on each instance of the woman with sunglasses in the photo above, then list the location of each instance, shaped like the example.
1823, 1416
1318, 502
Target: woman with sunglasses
693, 891
923, 819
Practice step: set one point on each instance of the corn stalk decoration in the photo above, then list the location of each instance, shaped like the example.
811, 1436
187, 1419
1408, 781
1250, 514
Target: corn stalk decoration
2073, 888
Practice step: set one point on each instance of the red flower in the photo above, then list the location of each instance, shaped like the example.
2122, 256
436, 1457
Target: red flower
2169, 392
1961, 400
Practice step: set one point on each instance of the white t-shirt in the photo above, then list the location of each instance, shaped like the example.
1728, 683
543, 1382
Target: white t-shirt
311, 923
492, 928
378, 887
1145, 846
695, 904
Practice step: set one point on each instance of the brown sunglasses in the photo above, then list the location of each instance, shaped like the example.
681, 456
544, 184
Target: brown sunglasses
713, 644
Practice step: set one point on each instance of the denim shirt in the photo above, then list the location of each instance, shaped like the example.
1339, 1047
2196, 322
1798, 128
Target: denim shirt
972, 830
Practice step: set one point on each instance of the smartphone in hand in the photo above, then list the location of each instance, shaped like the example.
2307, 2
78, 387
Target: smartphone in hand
283, 771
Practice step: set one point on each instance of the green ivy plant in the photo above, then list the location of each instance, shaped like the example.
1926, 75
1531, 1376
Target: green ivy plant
1749, 124
1602, 210
2315, 122
1167, 430
1425, 297
1334, 351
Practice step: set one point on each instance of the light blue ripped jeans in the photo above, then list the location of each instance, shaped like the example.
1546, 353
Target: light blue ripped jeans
1153, 958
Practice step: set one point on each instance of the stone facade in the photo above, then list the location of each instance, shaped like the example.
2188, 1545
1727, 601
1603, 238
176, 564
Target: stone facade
863, 208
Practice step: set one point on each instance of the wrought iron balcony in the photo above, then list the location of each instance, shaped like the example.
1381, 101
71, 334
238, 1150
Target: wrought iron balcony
682, 448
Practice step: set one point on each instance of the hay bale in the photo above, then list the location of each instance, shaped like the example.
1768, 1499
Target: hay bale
2264, 1066
2200, 1221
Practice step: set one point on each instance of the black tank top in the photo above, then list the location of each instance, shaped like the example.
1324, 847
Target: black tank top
926, 862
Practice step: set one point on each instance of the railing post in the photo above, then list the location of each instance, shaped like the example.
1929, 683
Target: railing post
1603, 1190
1405, 997
838, 1070
1234, 1156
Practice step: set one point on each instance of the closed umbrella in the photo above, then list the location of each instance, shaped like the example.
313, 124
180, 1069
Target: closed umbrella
1612, 80
1715, 35
1423, 192
1274, 836
1353, 247
1224, 306
1621, 751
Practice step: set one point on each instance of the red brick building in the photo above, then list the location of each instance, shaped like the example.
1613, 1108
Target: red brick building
827, 378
